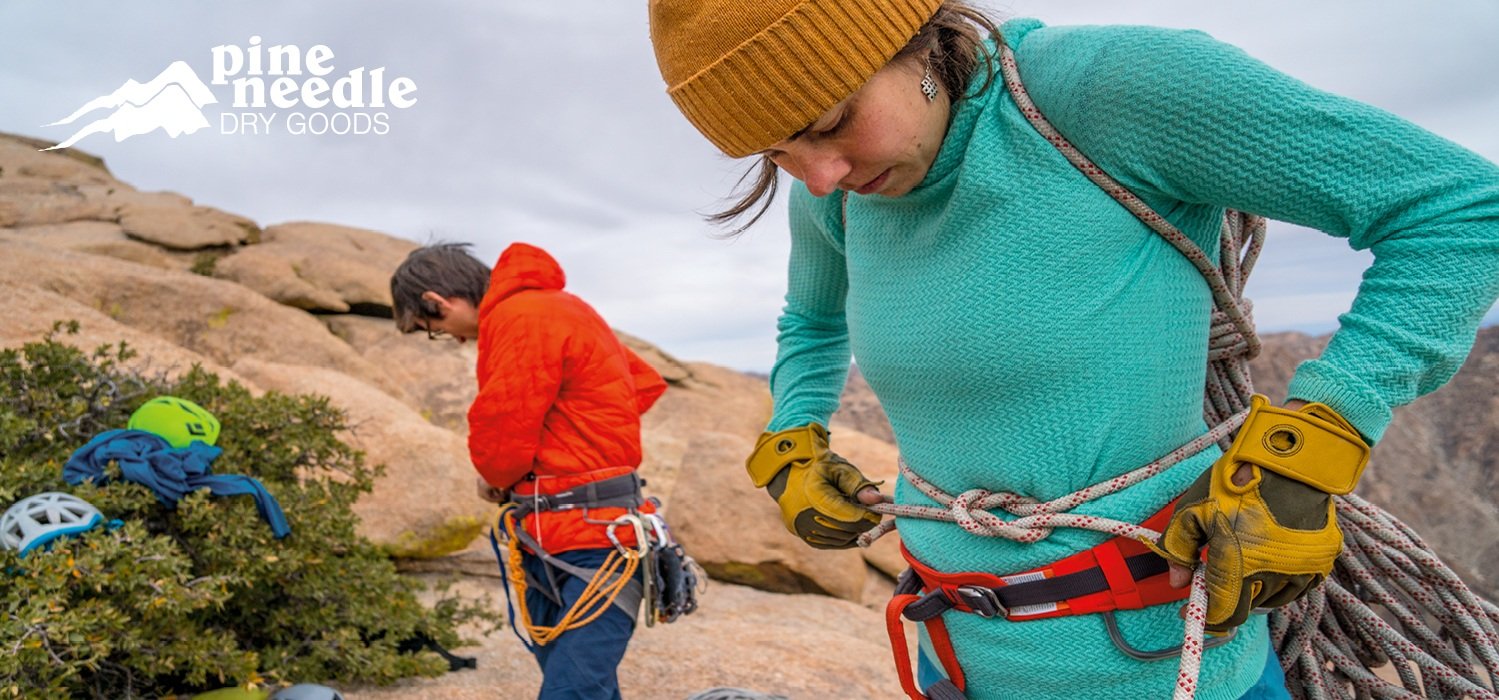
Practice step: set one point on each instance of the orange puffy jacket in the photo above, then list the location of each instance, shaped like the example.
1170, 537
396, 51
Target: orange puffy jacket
560, 398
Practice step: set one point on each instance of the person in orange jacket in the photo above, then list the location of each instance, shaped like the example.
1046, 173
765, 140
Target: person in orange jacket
558, 409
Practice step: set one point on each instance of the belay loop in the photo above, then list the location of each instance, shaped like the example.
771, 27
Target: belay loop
1327, 640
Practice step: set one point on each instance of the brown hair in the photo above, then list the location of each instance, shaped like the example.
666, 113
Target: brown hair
446, 268
955, 43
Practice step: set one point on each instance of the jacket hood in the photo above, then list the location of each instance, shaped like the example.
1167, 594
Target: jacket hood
521, 267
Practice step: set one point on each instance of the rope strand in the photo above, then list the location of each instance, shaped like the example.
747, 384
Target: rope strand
607, 583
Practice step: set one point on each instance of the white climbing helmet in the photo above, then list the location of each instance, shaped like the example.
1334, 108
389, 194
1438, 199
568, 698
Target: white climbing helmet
307, 691
36, 520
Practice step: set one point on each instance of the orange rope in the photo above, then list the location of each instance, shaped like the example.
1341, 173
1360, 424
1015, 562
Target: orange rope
611, 578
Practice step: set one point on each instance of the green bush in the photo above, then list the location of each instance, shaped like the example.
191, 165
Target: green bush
200, 596
204, 263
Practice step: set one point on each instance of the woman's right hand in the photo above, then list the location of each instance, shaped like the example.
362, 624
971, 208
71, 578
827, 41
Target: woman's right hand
491, 493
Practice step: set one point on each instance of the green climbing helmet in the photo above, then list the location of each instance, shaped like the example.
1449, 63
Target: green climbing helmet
178, 421
235, 693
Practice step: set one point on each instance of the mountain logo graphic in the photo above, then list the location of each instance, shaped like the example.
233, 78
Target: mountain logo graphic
172, 101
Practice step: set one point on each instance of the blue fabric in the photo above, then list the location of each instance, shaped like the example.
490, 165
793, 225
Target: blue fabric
147, 459
1272, 683
927, 671
581, 664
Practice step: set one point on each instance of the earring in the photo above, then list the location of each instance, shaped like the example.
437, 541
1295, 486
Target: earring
929, 85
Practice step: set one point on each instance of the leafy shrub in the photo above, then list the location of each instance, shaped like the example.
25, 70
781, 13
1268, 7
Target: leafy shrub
200, 596
204, 263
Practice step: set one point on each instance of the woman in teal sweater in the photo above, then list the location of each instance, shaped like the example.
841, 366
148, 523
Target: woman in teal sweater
1023, 331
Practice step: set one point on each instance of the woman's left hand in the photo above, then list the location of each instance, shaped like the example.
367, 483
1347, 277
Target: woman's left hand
1264, 510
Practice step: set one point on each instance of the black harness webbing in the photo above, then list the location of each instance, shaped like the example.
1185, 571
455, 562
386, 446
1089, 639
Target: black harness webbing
616, 492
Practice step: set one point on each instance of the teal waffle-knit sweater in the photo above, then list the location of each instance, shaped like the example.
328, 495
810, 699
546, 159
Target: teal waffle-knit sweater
1025, 333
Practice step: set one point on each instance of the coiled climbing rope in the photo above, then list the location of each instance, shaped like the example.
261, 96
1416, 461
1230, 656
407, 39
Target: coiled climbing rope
612, 577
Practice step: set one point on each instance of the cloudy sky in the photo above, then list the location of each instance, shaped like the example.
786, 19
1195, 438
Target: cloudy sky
547, 123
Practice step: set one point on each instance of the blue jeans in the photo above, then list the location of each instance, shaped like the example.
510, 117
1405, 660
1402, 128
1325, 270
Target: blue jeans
1270, 686
582, 663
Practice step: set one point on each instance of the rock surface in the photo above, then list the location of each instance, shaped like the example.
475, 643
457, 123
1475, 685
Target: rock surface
800, 646
34, 311
437, 377
217, 319
185, 228
95, 238
417, 508
320, 267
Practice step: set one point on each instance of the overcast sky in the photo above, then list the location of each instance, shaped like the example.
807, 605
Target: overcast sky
547, 123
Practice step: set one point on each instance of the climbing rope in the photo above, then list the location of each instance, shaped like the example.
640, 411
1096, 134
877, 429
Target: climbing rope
612, 577
724, 693
1442, 642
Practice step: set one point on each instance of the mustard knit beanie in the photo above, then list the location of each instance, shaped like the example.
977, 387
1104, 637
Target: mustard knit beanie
749, 73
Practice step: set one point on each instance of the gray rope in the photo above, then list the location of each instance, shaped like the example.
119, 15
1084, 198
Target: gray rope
733, 694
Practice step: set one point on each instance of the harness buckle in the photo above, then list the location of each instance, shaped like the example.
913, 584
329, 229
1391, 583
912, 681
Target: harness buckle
984, 601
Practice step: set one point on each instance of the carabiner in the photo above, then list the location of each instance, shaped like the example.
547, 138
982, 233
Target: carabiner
642, 541
663, 536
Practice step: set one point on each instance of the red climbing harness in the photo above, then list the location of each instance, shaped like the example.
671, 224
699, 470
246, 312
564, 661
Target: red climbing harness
1120, 574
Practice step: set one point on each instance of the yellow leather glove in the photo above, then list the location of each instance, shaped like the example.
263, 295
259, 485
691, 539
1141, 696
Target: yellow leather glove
1274, 538
815, 488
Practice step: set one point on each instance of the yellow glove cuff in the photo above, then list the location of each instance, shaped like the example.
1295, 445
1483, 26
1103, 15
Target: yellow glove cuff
782, 449
1313, 445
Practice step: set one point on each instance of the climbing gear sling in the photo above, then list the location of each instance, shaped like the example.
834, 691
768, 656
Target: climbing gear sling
666, 584
1326, 640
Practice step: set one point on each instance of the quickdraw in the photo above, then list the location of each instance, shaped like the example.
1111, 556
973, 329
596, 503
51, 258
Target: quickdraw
677, 577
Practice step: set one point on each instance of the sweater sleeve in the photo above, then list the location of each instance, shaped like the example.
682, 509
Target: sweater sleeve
812, 350
1176, 114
